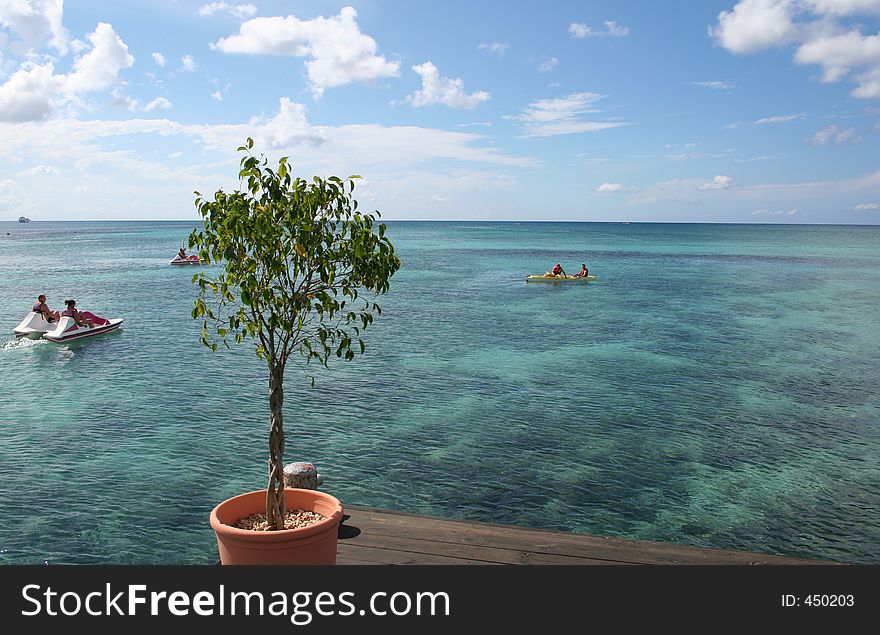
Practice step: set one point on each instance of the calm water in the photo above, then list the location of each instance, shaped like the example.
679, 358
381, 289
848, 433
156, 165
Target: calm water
717, 386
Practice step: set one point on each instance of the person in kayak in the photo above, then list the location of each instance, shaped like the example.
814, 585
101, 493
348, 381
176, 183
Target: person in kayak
584, 272
41, 307
78, 317
557, 270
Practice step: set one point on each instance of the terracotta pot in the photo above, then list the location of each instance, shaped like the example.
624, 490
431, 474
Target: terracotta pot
315, 544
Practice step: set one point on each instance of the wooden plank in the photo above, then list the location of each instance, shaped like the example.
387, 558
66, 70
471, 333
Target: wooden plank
390, 556
439, 539
558, 542
445, 548
487, 555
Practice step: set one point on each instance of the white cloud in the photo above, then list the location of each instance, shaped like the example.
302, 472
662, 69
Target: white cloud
496, 48
35, 21
609, 187
717, 85
236, 10
100, 67
121, 100
763, 157
755, 24
780, 119
217, 95
844, 7
778, 212
550, 117
443, 90
863, 207
160, 103
400, 163
188, 64
819, 29
30, 95
580, 30
688, 191
548, 64
40, 170
718, 182
839, 54
834, 135
289, 127
158, 58
338, 52
10, 193
869, 84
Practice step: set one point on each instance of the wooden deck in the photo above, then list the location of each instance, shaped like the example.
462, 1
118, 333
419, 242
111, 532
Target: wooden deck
369, 536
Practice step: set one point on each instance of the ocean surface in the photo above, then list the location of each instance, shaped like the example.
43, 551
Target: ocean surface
718, 385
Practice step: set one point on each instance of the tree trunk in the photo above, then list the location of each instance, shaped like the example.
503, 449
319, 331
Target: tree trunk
276, 503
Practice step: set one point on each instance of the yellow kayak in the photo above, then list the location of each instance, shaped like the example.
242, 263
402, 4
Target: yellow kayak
551, 278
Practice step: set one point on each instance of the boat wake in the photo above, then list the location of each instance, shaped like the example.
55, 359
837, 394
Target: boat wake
20, 343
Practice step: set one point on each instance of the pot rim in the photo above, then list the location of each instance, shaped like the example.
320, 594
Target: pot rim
278, 535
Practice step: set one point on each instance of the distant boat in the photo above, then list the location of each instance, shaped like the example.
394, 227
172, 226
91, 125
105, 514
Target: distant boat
24, 219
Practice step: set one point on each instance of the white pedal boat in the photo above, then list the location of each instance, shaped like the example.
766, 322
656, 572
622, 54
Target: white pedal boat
34, 325
68, 329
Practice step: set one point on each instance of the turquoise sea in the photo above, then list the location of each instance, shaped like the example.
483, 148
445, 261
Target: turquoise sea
718, 385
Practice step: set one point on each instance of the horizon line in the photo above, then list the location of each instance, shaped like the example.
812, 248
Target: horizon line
452, 220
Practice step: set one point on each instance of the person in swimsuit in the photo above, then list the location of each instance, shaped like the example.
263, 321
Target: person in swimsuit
41, 307
77, 316
182, 253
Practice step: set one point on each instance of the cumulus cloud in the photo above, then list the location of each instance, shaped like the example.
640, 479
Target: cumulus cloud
844, 7
579, 30
443, 90
30, 94
818, 28
550, 117
36, 22
287, 128
839, 54
240, 11
834, 135
753, 25
100, 67
718, 182
609, 187
159, 59
217, 95
188, 64
338, 53
496, 48
35, 92
160, 103
121, 100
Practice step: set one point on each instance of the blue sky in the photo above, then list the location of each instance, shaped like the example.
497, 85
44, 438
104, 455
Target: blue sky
680, 111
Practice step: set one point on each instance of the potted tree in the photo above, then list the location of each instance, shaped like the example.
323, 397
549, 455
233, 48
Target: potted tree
302, 268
